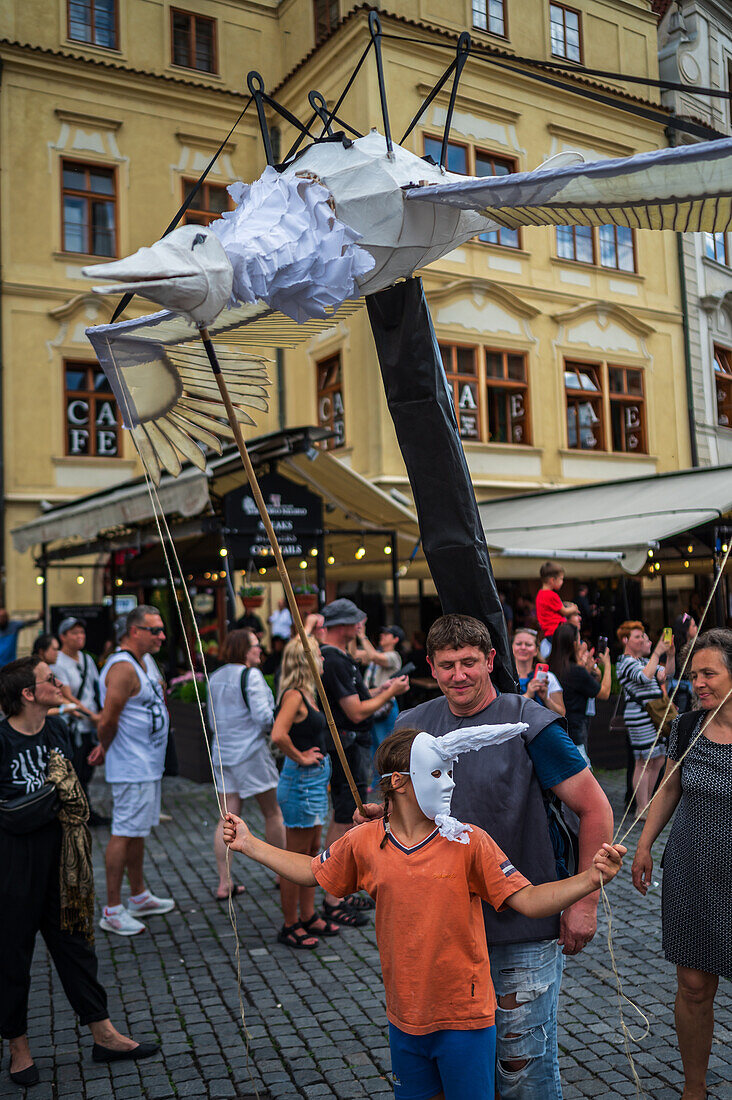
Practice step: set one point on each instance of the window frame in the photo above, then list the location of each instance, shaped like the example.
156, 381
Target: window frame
471, 154
208, 213
564, 8
328, 5
334, 443
487, 30
454, 378
725, 244
93, 397
508, 386
597, 249
89, 196
83, 41
606, 399
726, 375
193, 18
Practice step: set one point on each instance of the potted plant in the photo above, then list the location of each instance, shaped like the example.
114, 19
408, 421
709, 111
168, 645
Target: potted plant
252, 595
185, 723
306, 596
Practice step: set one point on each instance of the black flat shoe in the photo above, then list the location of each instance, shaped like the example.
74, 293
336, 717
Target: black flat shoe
106, 1054
26, 1077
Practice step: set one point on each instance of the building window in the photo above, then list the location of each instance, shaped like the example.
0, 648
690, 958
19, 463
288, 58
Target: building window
93, 21
627, 412
605, 403
326, 18
91, 422
461, 368
210, 203
507, 397
723, 382
566, 32
715, 247
331, 413
584, 407
194, 41
576, 242
487, 164
89, 206
457, 155
612, 245
490, 15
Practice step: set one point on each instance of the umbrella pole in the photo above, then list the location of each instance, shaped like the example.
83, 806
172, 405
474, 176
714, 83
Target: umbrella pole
281, 568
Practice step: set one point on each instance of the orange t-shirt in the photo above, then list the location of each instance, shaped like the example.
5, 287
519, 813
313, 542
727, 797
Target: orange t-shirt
429, 920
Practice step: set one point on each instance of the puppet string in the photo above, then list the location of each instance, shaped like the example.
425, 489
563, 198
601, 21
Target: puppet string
159, 515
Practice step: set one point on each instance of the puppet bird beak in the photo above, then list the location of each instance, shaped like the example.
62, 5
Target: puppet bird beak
188, 272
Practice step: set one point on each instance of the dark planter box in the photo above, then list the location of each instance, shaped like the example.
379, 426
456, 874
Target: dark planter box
190, 741
607, 749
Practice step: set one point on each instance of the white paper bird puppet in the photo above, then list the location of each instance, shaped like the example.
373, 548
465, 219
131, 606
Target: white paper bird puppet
342, 220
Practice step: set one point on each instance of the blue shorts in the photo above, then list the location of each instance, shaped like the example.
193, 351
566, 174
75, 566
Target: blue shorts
460, 1064
302, 793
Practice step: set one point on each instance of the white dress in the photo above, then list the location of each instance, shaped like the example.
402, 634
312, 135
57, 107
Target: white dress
240, 734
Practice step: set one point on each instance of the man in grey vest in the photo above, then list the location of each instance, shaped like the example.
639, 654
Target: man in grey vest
502, 789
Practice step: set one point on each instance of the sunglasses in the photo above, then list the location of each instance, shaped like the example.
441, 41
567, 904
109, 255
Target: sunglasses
155, 630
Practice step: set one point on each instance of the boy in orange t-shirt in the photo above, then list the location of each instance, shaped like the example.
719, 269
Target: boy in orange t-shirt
428, 874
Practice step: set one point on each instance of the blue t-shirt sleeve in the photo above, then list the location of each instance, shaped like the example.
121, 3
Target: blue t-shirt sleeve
554, 756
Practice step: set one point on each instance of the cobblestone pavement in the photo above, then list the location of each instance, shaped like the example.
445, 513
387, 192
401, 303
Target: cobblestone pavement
316, 1020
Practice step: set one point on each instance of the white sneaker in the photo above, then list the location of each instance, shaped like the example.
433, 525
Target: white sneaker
150, 907
121, 923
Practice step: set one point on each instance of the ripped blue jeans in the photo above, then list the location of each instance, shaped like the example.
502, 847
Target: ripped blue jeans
528, 1033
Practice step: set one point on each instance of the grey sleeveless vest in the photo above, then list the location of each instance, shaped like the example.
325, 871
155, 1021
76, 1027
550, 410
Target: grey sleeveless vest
496, 788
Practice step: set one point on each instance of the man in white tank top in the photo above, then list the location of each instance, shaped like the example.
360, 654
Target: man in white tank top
133, 734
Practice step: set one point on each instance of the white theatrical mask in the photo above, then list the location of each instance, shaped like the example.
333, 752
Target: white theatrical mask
431, 762
188, 271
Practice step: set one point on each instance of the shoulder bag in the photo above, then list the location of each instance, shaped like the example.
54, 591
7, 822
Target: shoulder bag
29, 811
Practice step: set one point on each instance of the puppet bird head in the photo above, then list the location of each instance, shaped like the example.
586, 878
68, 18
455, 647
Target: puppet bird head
188, 272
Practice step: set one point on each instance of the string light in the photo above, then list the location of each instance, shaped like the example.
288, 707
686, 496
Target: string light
690, 549
314, 552
40, 580
223, 552
80, 579
214, 576
724, 547
262, 571
360, 553
387, 549
118, 582
650, 553
686, 565
207, 576
330, 559
222, 574
303, 564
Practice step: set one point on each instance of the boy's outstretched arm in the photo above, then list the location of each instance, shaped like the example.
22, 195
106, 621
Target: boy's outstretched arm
553, 897
292, 865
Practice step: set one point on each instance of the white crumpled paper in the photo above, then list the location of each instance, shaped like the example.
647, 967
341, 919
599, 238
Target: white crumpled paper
288, 248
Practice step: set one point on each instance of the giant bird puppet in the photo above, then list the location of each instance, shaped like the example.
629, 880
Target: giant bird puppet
341, 219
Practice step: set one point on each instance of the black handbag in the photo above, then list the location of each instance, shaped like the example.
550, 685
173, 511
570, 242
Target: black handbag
29, 811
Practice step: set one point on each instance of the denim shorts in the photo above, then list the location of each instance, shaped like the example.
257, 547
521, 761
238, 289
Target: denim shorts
528, 1033
302, 793
458, 1064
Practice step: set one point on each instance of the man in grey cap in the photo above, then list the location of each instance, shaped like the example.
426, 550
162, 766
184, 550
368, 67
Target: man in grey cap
353, 707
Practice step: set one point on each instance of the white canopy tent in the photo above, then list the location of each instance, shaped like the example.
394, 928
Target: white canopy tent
611, 524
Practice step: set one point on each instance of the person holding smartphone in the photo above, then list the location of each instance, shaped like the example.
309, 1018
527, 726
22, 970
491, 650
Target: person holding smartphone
535, 680
574, 666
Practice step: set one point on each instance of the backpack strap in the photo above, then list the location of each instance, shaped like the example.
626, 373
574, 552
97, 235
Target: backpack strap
244, 678
685, 728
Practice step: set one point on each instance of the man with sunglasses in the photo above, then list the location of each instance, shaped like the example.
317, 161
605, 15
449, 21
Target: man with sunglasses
133, 735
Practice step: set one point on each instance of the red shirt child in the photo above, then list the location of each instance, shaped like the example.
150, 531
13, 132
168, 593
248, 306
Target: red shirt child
549, 611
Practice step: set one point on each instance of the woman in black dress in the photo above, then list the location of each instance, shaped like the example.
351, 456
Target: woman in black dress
34, 848
697, 900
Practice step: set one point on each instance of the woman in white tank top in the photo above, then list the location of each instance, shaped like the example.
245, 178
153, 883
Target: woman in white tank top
240, 713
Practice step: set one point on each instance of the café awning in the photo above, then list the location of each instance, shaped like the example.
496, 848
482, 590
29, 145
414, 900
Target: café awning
611, 524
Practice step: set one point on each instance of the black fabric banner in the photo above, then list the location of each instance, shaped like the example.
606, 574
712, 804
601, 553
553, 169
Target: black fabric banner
427, 431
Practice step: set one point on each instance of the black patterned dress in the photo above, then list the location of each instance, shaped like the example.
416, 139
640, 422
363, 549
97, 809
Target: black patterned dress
697, 863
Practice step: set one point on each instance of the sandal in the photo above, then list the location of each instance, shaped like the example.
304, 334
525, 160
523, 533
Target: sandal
288, 934
341, 914
330, 927
360, 903
234, 891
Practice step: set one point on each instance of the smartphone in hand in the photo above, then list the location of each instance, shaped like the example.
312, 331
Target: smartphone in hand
601, 644
541, 673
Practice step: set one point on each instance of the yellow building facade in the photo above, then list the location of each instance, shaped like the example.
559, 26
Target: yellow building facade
564, 349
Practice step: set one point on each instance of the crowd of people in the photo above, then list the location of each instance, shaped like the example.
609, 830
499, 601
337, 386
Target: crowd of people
533, 797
